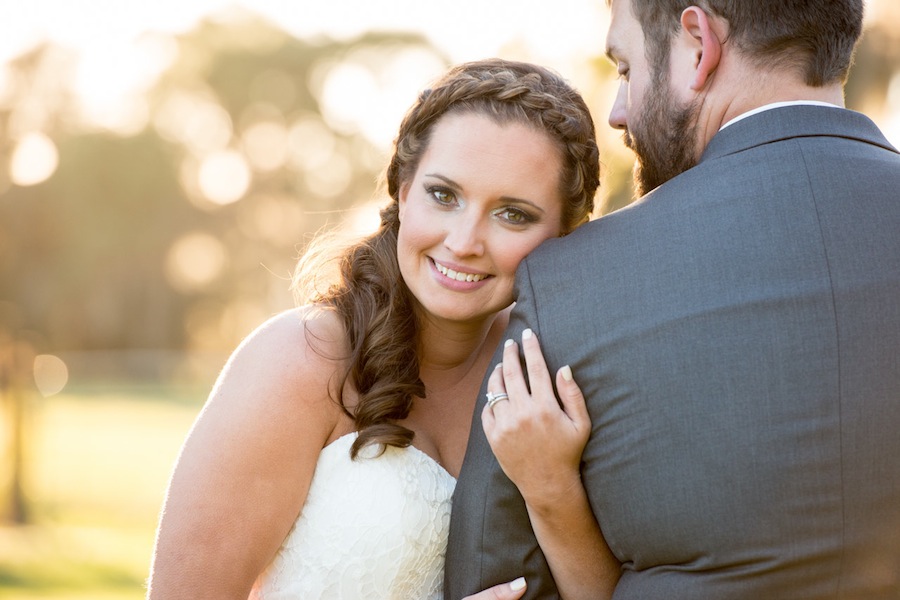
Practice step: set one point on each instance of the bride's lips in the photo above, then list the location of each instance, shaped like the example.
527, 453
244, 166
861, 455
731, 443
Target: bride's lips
456, 276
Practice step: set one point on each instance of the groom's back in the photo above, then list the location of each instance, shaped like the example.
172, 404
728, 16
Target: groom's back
737, 335
745, 385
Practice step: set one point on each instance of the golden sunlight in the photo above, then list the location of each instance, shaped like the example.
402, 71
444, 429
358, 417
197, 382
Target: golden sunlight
194, 261
892, 110
311, 143
266, 145
111, 79
33, 160
370, 93
196, 120
363, 219
224, 177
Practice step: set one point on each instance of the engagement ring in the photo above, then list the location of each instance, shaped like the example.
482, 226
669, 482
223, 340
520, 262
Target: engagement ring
493, 399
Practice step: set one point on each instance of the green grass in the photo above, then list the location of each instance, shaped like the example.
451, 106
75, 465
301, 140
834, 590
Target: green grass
96, 468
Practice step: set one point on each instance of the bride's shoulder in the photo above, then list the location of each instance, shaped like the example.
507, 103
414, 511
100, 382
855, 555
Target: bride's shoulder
302, 349
299, 334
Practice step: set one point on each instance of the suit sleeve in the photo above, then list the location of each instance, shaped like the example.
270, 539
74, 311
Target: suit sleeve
491, 539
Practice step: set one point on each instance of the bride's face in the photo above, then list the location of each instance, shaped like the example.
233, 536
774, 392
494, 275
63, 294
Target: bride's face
484, 195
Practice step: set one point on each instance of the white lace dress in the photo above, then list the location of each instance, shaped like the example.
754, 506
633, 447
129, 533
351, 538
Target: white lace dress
372, 528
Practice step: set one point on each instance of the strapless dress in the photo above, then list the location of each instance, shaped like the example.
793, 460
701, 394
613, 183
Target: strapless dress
372, 528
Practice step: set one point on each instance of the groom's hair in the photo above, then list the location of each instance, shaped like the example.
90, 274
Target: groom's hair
816, 38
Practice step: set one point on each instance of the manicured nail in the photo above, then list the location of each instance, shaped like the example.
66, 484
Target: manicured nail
527, 334
567, 373
517, 584
507, 343
498, 365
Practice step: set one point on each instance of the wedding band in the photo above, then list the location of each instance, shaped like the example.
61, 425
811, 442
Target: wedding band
493, 399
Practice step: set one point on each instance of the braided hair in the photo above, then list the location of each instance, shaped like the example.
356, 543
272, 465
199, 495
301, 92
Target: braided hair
373, 302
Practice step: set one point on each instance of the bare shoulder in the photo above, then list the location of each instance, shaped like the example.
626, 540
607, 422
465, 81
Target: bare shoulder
291, 364
302, 339
246, 466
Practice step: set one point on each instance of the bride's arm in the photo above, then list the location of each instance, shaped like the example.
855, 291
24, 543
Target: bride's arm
245, 468
539, 446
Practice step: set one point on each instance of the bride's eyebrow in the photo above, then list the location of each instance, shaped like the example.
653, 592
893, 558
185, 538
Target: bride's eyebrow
449, 182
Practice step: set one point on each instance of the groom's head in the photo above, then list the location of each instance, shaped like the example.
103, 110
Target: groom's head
687, 68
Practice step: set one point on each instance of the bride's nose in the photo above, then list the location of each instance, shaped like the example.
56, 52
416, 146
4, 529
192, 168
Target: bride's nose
465, 236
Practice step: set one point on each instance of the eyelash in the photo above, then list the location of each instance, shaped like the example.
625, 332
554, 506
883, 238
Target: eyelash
524, 217
446, 198
437, 192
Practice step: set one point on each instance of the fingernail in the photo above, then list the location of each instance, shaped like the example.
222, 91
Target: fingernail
498, 365
527, 334
507, 343
517, 584
567, 373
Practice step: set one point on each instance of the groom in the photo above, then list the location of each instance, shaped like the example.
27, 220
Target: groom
736, 331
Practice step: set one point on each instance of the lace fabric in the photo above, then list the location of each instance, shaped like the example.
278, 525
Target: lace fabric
373, 528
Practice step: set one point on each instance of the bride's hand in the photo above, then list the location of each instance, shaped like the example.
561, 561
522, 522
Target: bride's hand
537, 442
505, 591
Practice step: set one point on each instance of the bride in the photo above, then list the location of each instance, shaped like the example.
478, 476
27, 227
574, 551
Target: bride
323, 463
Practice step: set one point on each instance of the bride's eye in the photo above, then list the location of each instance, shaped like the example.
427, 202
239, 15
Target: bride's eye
442, 195
515, 216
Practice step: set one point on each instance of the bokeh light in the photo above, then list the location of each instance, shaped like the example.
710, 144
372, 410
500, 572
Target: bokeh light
163, 165
195, 120
211, 324
195, 260
311, 143
363, 219
272, 217
331, 179
266, 145
112, 77
51, 374
343, 86
34, 159
388, 82
224, 177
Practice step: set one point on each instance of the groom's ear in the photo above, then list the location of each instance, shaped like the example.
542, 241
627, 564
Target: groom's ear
700, 39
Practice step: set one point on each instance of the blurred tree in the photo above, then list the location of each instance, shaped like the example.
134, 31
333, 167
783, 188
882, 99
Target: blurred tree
877, 63
180, 233
183, 234
16, 358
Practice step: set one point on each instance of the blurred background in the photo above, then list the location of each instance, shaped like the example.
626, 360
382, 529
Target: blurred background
162, 166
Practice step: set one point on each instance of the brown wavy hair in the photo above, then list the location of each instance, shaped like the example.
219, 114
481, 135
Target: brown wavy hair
374, 304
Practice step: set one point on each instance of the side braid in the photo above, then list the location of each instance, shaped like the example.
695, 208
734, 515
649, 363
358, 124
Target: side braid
509, 91
374, 303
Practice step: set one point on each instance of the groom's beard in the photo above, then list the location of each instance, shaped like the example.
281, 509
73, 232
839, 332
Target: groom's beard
664, 138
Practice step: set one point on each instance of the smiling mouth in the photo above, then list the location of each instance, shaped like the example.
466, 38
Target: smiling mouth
457, 275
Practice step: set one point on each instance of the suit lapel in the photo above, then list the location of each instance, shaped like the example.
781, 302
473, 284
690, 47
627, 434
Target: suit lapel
789, 122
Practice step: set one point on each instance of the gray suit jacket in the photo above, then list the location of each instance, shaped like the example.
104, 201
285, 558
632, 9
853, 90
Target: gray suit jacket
737, 335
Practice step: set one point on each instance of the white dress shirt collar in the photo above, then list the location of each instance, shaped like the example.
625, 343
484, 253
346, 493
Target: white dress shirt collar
777, 105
